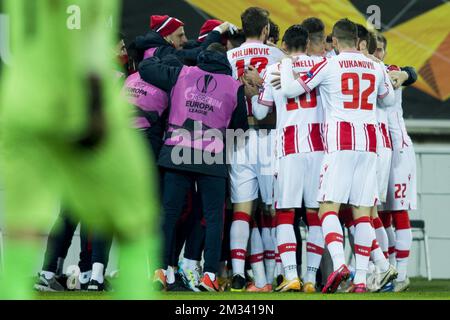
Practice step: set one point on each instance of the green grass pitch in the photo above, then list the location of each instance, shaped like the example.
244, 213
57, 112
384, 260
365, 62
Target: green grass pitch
420, 289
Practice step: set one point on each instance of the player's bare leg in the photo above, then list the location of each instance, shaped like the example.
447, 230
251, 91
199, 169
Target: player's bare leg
239, 236
334, 239
314, 249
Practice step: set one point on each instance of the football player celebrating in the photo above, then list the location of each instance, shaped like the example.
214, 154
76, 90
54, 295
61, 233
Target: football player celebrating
299, 152
402, 190
247, 178
350, 84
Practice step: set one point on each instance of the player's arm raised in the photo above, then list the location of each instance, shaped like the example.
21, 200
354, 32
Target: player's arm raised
193, 53
262, 104
385, 89
292, 87
406, 76
162, 73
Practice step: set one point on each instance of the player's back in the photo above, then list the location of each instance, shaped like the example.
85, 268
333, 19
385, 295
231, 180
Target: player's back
349, 95
260, 56
303, 110
253, 53
300, 117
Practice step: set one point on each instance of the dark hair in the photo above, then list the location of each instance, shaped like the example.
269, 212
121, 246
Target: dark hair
316, 29
135, 54
236, 39
383, 39
296, 37
363, 34
253, 21
329, 39
217, 47
345, 31
372, 45
274, 32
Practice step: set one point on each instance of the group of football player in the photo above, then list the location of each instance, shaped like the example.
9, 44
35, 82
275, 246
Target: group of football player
326, 129
323, 141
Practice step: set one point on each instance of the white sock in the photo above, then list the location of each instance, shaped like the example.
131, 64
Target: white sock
279, 270
48, 275
363, 247
98, 272
211, 275
287, 243
404, 241
377, 255
381, 236
314, 247
84, 277
332, 231
257, 258
170, 275
269, 254
189, 264
403, 235
239, 234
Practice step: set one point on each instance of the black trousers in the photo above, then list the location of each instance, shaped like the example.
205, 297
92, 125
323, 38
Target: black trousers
94, 248
59, 241
195, 235
177, 185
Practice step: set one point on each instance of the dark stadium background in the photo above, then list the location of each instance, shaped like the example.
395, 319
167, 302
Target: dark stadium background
418, 105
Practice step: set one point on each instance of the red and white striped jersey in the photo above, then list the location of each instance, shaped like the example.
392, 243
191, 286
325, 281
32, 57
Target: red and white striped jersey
384, 139
256, 54
350, 84
299, 119
397, 128
253, 53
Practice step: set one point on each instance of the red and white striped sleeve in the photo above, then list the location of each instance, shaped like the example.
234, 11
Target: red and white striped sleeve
385, 88
295, 87
266, 93
315, 76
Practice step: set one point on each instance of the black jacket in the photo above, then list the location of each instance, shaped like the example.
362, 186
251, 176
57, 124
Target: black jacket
154, 40
159, 74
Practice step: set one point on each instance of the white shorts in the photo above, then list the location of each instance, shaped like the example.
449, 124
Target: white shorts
349, 177
383, 170
297, 180
256, 172
402, 188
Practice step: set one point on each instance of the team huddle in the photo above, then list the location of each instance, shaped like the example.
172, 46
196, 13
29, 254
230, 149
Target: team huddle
319, 124
329, 122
